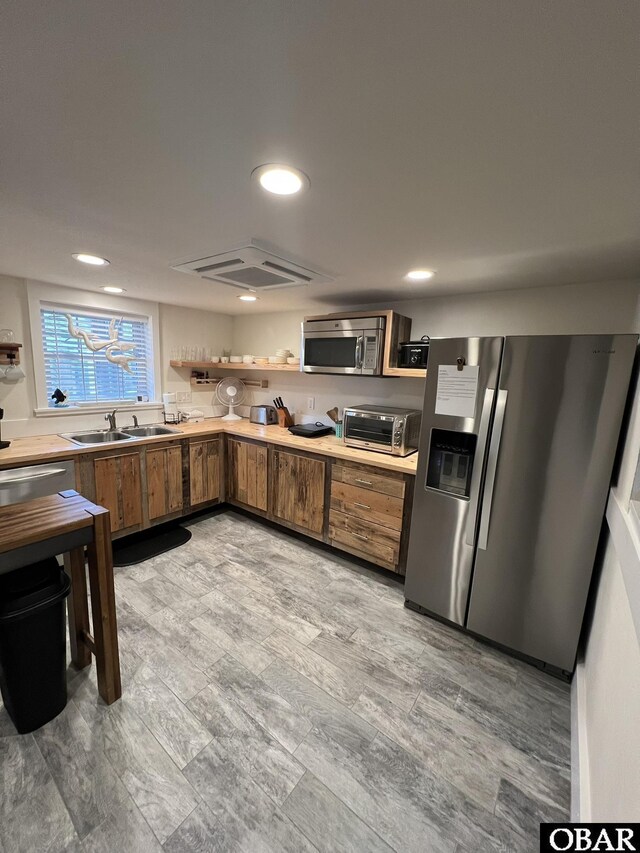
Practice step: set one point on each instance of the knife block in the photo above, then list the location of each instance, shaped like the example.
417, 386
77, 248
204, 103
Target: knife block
285, 418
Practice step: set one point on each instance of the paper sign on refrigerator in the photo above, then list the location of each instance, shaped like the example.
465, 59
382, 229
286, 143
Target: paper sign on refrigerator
457, 390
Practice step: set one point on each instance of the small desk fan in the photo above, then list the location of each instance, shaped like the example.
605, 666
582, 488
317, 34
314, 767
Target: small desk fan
230, 392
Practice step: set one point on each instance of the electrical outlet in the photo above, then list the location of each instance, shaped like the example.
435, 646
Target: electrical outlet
311, 403
183, 397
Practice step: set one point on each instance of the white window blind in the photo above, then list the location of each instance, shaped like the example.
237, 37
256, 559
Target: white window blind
88, 377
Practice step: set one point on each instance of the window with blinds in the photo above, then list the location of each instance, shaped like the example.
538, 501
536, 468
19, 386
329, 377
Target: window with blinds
89, 377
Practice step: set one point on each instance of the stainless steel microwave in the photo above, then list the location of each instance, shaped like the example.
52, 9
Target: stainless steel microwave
382, 428
343, 346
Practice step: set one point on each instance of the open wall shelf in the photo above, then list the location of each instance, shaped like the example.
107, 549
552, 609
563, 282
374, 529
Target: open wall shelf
389, 368
209, 365
213, 381
5, 349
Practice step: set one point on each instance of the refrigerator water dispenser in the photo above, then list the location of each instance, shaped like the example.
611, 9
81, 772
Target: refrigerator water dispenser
450, 463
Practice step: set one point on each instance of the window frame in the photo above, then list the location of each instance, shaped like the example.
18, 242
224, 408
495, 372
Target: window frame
81, 301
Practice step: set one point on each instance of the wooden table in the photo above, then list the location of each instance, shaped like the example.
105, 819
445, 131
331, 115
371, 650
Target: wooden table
66, 523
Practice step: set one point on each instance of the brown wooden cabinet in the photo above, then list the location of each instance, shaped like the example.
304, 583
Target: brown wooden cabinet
204, 471
369, 514
117, 487
297, 495
164, 480
247, 473
359, 508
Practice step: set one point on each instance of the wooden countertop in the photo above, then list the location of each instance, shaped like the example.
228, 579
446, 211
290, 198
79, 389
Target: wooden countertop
44, 518
47, 448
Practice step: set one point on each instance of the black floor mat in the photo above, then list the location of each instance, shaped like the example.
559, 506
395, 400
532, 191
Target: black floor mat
142, 546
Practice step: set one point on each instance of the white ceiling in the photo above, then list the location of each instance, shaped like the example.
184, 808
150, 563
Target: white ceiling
494, 140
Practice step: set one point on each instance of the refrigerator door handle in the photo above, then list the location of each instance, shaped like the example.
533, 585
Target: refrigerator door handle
476, 476
492, 465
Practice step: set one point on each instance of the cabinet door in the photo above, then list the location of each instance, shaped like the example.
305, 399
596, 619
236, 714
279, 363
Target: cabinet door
247, 473
118, 489
164, 481
204, 471
299, 490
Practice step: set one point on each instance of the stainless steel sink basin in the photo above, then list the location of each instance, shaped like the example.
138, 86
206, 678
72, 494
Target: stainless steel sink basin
148, 431
97, 436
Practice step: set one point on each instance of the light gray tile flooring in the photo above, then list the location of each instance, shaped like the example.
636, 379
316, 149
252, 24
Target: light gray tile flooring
279, 698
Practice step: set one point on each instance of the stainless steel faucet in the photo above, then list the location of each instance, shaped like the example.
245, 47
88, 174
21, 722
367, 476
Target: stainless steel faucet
111, 417
135, 420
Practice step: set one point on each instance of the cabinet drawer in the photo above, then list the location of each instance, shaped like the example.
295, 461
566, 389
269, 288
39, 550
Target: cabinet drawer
369, 505
364, 535
365, 480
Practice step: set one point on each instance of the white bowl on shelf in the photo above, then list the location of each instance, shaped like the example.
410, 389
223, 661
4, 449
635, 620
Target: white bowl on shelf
283, 352
236, 359
277, 359
247, 359
215, 359
261, 359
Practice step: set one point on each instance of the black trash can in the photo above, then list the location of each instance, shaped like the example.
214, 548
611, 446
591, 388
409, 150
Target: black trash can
33, 643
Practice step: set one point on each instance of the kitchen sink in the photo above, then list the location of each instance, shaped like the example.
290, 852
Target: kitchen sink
148, 431
97, 436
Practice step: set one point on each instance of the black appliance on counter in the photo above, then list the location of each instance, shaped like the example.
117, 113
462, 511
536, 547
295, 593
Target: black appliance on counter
316, 430
414, 353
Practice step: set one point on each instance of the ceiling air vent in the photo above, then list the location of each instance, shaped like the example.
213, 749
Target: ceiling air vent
251, 267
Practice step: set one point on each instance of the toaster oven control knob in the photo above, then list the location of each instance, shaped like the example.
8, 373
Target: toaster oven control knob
397, 437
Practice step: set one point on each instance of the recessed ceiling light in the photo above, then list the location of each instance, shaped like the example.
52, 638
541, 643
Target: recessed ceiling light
419, 275
280, 179
109, 289
94, 260
248, 298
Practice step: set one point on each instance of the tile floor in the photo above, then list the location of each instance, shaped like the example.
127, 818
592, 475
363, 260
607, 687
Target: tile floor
279, 698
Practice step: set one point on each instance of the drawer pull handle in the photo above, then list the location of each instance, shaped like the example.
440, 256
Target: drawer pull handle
362, 506
366, 482
359, 535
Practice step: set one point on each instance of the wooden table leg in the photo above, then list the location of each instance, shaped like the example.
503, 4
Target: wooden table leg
78, 608
103, 608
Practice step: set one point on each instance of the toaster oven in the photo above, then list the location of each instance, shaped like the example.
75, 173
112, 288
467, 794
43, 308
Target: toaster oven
384, 429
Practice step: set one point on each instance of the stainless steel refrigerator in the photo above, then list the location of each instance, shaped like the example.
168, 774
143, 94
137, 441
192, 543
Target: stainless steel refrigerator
517, 447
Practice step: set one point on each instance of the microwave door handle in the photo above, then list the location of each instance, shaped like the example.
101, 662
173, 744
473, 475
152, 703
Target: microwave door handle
492, 465
476, 475
359, 349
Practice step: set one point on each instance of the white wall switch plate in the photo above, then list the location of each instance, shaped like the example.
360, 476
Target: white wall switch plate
311, 403
183, 397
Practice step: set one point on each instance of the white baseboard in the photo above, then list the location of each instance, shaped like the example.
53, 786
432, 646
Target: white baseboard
580, 787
